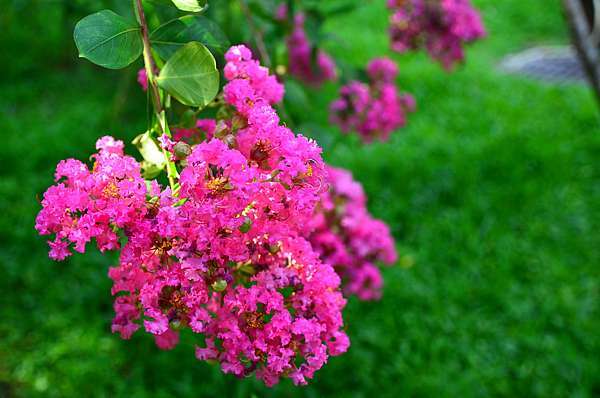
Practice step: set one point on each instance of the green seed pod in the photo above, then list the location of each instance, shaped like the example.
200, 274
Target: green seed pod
182, 150
273, 249
219, 286
245, 227
229, 139
221, 130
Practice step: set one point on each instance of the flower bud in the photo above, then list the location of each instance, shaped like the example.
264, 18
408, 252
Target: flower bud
238, 122
219, 285
221, 130
229, 139
182, 150
274, 248
245, 227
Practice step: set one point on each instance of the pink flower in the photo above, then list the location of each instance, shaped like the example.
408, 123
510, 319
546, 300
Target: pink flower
166, 143
281, 13
346, 236
142, 79
227, 256
88, 204
441, 26
204, 130
168, 340
241, 67
374, 110
382, 70
302, 64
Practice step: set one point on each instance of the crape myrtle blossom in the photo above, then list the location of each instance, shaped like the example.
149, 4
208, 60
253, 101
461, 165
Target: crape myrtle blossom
225, 258
91, 204
310, 65
341, 230
373, 110
204, 130
442, 27
346, 236
254, 242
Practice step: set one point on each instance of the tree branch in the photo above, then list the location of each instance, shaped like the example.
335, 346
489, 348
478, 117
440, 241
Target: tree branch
257, 34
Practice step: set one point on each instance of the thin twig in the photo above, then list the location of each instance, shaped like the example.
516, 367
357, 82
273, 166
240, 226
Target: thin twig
595, 36
257, 34
148, 60
150, 67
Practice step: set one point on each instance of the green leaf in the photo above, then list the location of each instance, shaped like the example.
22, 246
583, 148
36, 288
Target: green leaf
190, 5
191, 75
173, 35
150, 170
154, 159
108, 40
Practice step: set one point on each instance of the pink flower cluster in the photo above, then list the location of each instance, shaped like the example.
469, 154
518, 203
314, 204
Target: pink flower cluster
346, 236
376, 109
341, 230
92, 204
225, 258
311, 67
440, 26
204, 130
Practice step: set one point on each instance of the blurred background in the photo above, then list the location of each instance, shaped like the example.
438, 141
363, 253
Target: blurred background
492, 192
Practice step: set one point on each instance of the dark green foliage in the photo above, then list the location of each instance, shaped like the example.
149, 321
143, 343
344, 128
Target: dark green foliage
191, 75
172, 35
493, 190
108, 39
190, 5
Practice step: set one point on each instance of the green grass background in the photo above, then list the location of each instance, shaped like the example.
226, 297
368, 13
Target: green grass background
493, 191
